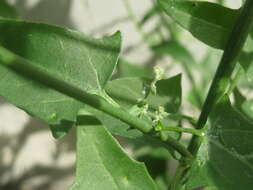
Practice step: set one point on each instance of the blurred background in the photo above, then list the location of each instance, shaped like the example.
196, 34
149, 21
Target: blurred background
30, 158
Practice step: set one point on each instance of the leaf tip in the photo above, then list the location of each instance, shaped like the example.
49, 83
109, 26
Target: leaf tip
118, 36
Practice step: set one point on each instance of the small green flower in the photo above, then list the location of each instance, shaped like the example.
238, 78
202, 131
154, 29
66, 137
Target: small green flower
159, 74
160, 114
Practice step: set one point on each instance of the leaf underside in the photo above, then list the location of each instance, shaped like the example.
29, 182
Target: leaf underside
226, 152
102, 164
70, 56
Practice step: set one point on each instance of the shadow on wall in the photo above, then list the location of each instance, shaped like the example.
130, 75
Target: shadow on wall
55, 12
53, 173
2, 101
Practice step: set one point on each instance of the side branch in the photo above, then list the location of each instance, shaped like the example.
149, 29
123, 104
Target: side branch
27, 69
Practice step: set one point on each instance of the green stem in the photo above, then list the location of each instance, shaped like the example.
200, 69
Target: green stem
190, 119
39, 74
221, 81
196, 132
177, 146
177, 177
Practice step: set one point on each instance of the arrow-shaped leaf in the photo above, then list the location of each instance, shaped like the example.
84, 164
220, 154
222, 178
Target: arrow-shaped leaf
68, 55
102, 164
128, 91
210, 23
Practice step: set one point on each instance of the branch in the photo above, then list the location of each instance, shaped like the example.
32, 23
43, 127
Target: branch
38, 73
27, 69
196, 132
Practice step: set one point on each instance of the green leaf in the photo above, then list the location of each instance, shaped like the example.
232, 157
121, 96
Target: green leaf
156, 161
6, 10
210, 23
70, 56
180, 54
169, 94
225, 157
127, 92
101, 162
115, 126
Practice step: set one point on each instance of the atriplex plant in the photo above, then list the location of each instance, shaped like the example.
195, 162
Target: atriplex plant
62, 77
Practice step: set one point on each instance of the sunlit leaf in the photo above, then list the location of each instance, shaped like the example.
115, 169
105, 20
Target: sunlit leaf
210, 23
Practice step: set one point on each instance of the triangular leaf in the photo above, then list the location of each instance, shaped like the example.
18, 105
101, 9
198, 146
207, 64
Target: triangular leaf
71, 56
102, 164
128, 91
169, 94
180, 54
210, 23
